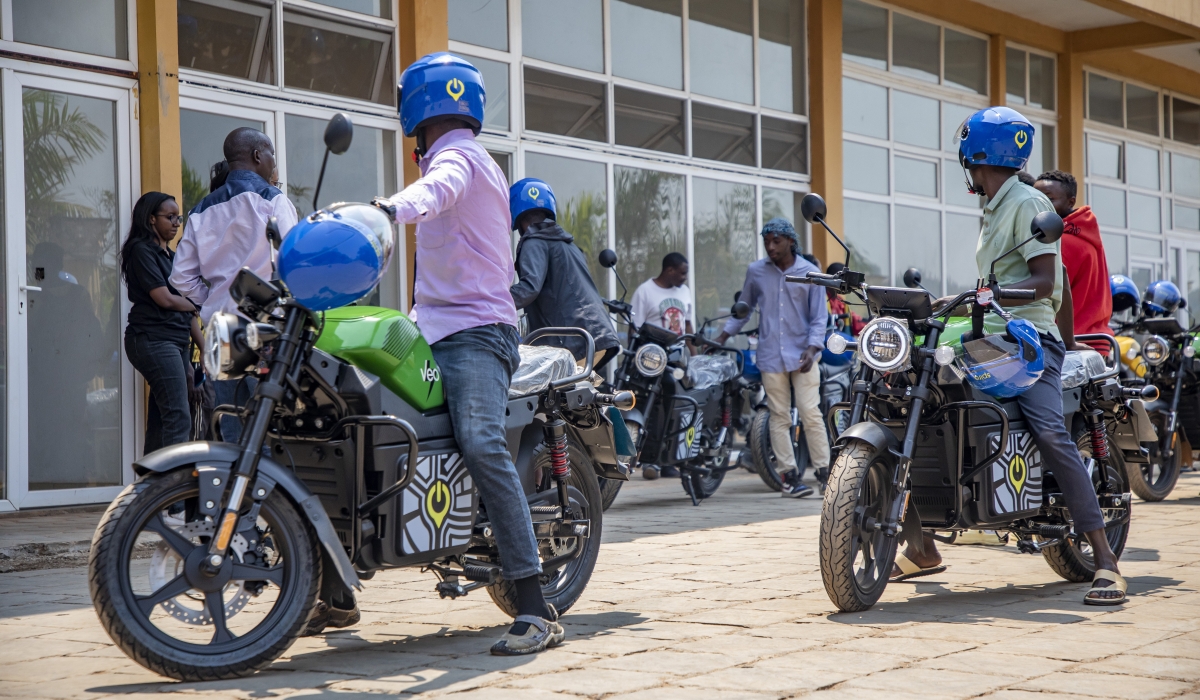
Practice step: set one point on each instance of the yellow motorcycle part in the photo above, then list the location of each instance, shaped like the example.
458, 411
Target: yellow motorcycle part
1131, 355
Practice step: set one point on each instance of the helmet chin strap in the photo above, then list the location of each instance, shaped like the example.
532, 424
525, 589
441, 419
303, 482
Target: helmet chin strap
422, 148
971, 185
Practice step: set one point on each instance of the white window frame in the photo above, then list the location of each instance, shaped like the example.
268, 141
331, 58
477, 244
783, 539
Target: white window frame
7, 43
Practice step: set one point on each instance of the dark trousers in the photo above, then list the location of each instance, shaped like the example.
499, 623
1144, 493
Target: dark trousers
164, 364
1041, 406
235, 392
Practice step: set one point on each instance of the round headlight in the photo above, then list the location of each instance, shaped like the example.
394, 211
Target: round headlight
1155, 350
650, 360
885, 345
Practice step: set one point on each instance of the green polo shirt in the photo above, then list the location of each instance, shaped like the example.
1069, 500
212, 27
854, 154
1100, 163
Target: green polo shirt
1006, 220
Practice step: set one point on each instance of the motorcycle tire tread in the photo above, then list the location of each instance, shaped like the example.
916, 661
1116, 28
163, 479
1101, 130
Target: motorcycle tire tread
1137, 480
759, 441
609, 488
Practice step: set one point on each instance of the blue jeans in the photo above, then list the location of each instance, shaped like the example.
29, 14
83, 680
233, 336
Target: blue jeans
235, 392
1041, 405
164, 364
477, 365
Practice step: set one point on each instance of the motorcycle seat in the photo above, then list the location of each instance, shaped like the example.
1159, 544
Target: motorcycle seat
1080, 367
540, 365
704, 371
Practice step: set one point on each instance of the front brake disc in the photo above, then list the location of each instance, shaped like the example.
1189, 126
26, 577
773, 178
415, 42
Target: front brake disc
189, 607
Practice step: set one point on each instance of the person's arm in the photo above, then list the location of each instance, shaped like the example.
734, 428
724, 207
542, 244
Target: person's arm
1041, 280
817, 319
185, 276
196, 333
1065, 319
531, 273
172, 302
635, 314
446, 180
735, 325
144, 271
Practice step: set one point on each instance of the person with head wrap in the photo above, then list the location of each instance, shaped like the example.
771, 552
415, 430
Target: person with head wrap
791, 333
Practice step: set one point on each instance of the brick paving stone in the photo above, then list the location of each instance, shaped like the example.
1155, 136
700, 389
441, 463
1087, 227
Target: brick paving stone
1174, 668
1105, 685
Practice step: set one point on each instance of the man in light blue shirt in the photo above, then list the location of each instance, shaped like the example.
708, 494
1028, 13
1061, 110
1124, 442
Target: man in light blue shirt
791, 333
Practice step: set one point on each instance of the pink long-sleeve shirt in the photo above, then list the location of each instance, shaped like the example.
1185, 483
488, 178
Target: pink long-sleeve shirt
464, 254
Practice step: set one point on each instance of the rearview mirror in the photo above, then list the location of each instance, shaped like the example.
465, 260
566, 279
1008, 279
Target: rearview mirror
812, 207
1047, 227
740, 310
912, 278
608, 258
339, 132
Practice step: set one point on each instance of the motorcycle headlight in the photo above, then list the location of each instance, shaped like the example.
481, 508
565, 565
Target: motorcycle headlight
1155, 350
885, 345
227, 349
650, 360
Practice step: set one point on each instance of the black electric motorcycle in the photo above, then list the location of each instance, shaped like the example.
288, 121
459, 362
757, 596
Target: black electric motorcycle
687, 406
927, 453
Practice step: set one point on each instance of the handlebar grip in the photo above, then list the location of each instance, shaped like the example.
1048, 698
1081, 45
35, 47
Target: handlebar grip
1028, 294
1145, 393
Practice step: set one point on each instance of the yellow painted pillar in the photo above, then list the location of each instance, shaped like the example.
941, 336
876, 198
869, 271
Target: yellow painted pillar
825, 119
158, 97
997, 70
424, 29
1070, 118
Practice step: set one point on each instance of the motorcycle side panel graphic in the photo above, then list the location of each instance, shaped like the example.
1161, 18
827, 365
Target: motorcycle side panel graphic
1016, 478
438, 506
688, 445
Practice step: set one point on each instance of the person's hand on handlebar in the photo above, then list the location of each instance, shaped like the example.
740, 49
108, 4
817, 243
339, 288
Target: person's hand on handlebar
720, 339
809, 358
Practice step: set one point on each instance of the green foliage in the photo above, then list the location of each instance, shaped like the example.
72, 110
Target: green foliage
585, 216
57, 140
725, 245
194, 187
650, 221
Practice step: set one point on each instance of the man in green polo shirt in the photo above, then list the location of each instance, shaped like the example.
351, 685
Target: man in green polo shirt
994, 144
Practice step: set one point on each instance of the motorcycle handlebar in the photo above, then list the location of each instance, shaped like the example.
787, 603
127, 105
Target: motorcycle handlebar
1145, 393
817, 279
1026, 294
622, 400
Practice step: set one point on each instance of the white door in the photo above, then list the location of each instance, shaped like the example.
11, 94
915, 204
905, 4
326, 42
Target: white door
1185, 272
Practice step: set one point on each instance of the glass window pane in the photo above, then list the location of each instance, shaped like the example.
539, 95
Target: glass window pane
921, 232
1108, 205
650, 221
781, 54
231, 38
1104, 159
1185, 175
914, 119
722, 134
955, 184
581, 188
504, 160
560, 104
479, 22
202, 149
725, 243
916, 176
495, 79
953, 117
1145, 247
966, 61
962, 235
1145, 213
784, 145
1187, 218
542, 23
1104, 100
362, 172
1044, 151
722, 55
865, 167
1141, 109
1141, 166
915, 47
864, 33
340, 59
1034, 165
1185, 121
1116, 253
1193, 279
864, 108
1014, 75
1041, 81
647, 41
378, 8
97, 27
782, 203
867, 235
75, 322
646, 120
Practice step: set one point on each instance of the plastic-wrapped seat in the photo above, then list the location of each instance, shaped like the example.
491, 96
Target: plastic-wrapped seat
704, 371
540, 365
1080, 367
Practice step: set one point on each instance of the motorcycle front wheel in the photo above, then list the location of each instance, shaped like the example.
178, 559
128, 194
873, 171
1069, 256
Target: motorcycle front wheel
167, 614
1155, 481
856, 556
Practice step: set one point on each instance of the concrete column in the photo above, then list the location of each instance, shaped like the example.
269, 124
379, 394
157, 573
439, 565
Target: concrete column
997, 70
825, 119
1070, 118
158, 96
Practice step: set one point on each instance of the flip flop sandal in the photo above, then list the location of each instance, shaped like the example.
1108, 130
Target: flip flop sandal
1119, 584
541, 635
910, 570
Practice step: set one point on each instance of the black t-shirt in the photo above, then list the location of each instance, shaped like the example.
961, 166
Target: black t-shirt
150, 268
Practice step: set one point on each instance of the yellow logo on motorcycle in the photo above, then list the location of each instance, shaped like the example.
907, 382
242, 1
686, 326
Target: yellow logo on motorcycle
534, 192
691, 436
1018, 471
455, 88
437, 502
1021, 138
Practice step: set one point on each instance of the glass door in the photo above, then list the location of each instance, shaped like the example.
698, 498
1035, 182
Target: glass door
68, 196
1185, 273
203, 125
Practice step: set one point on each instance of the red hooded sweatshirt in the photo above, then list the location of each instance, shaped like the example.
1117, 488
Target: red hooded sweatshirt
1087, 269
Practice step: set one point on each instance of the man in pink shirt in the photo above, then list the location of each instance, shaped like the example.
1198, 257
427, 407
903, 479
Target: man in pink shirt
464, 309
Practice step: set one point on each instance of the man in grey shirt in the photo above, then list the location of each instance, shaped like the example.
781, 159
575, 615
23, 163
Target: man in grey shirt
791, 333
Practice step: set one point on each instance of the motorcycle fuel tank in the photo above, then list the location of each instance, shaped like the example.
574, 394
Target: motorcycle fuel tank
387, 344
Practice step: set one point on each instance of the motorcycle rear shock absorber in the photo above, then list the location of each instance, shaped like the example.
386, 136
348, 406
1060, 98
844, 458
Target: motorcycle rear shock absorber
554, 433
1098, 436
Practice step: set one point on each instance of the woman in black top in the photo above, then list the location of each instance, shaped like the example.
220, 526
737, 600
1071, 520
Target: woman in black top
156, 339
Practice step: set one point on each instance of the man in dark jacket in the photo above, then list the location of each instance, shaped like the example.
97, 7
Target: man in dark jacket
554, 286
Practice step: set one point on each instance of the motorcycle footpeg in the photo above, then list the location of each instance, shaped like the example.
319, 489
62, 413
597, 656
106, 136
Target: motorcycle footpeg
481, 574
450, 589
1054, 532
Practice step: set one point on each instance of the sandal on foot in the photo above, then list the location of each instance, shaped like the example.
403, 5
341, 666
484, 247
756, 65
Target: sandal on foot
908, 569
541, 635
1118, 584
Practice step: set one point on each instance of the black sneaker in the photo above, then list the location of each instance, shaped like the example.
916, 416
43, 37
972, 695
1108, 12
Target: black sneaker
325, 615
794, 486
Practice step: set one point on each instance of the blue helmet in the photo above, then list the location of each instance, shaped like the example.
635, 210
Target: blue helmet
1125, 294
336, 256
995, 136
530, 193
440, 84
1162, 298
1003, 366
838, 360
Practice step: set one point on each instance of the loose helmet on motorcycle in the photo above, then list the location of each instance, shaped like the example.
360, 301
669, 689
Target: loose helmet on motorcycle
1003, 366
336, 256
441, 84
1162, 298
995, 136
530, 193
1125, 294
839, 360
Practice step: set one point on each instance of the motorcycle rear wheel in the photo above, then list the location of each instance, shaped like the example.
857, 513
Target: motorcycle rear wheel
856, 556
177, 630
765, 463
1155, 481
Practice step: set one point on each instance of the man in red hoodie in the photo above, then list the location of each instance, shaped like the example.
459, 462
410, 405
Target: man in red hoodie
1087, 301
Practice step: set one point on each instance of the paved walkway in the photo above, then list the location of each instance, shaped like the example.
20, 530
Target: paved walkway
719, 602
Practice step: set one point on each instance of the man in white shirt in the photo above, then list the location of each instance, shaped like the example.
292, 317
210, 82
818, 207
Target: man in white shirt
665, 301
